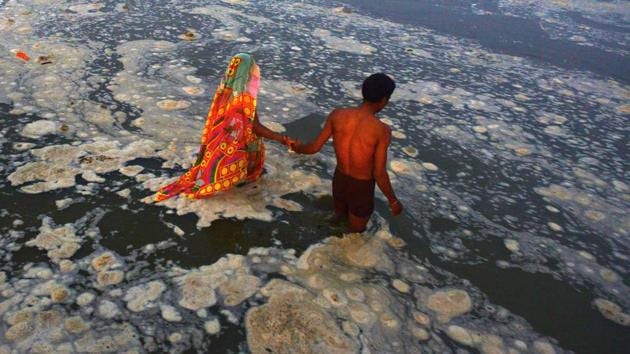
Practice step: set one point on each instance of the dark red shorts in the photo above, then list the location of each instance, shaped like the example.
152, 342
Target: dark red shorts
357, 195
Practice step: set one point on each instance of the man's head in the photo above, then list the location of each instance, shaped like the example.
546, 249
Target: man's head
377, 89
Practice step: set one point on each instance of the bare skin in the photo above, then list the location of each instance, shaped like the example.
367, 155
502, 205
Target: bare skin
361, 141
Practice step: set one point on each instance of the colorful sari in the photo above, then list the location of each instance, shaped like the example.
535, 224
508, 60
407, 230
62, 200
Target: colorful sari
230, 152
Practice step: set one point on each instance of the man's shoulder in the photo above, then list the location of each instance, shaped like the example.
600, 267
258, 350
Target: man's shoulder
381, 126
340, 111
386, 131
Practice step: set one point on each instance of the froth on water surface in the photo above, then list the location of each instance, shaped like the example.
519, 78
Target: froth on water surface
512, 172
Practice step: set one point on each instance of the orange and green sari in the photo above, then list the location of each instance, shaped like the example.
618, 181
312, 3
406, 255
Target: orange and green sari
230, 152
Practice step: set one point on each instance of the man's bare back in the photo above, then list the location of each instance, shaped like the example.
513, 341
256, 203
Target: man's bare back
356, 135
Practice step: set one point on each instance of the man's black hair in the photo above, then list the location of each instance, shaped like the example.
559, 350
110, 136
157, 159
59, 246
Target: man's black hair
377, 86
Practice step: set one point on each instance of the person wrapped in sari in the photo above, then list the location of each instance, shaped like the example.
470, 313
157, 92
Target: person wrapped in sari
232, 151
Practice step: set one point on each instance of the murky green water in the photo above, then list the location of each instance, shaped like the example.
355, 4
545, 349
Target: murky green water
511, 161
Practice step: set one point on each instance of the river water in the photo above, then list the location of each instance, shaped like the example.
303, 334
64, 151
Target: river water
509, 151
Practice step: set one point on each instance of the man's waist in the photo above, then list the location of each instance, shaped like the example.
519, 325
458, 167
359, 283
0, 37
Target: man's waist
354, 175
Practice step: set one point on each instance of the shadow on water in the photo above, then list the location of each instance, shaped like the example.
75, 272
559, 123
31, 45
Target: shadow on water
306, 128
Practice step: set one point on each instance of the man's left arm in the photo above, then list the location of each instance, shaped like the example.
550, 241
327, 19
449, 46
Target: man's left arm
380, 171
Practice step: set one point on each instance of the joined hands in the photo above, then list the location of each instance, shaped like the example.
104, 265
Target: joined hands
289, 142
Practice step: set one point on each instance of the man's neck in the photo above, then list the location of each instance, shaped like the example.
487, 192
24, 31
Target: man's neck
370, 107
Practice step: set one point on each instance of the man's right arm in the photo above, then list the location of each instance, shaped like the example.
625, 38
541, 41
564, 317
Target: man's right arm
380, 171
316, 145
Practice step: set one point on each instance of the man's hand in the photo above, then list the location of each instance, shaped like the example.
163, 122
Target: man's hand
396, 207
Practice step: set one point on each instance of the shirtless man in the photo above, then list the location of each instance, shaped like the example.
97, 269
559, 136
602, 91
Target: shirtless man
361, 142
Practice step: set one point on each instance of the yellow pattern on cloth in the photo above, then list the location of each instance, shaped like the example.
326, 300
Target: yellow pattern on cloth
230, 152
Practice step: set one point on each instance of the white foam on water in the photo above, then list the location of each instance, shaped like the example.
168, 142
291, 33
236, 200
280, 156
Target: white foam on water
362, 291
250, 201
228, 17
343, 44
556, 20
56, 166
331, 281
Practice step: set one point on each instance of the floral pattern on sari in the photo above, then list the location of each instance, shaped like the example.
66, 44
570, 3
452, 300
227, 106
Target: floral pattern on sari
230, 152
